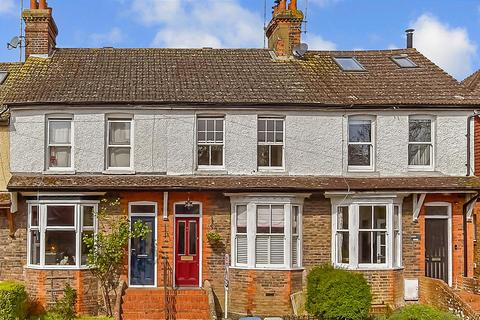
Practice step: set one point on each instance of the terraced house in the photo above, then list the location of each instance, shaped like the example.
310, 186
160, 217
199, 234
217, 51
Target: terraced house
292, 159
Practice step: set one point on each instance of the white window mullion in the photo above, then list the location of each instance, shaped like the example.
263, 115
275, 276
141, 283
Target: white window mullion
78, 234
390, 234
251, 233
288, 235
43, 222
353, 235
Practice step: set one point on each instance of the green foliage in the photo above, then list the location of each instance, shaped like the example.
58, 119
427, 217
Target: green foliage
335, 294
13, 301
65, 307
106, 250
213, 237
421, 312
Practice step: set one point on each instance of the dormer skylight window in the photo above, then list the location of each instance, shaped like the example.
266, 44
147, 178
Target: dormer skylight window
3, 76
349, 64
404, 62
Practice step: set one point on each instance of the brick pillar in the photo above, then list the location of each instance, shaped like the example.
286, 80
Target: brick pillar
40, 29
476, 147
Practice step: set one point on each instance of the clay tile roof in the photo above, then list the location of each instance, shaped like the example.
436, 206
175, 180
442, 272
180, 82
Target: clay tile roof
230, 77
237, 183
13, 70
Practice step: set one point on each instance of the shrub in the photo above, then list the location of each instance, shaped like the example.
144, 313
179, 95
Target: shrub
422, 312
64, 308
337, 294
13, 301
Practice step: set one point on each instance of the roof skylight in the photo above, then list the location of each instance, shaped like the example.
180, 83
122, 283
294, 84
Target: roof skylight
404, 62
3, 76
349, 64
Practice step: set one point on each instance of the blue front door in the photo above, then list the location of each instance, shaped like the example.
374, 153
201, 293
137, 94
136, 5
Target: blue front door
142, 255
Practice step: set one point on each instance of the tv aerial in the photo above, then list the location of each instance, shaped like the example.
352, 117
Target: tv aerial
300, 50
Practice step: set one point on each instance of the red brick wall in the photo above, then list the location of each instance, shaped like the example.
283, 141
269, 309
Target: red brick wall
437, 293
13, 250
44, 286
476, 149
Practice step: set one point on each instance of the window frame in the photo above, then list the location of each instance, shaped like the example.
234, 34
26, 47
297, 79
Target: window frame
355, 60
354, 230
270, 167
119, 119
42, 228
430, 167
210, 167
372, 143
251, 202
404, 57
60, 118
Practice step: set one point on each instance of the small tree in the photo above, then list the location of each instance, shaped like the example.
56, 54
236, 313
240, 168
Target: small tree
106, 250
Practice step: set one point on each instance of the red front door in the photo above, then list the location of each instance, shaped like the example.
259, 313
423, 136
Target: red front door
187, 261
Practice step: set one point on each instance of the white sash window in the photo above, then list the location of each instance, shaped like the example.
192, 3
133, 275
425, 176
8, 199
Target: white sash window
56, 230
267, 231
367, 233
59, 139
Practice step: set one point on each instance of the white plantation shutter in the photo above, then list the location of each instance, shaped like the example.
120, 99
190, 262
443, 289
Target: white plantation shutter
242, 249
277, 249
295, 251
261, 249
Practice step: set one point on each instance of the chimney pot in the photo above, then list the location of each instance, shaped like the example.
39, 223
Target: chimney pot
293, 5
282, 6
409, 33
33, 4
43, 4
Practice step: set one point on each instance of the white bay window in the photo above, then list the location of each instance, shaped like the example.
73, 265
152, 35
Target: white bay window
56, 231
367, 233
267, 231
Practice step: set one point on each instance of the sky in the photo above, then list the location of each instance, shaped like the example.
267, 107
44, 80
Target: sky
447, 31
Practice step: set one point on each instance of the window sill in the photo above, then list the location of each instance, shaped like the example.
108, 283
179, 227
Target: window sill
420, 169
118, 172
267, 268
367, 268
73, 268
211, 170
361, 170
271, 170
59, 172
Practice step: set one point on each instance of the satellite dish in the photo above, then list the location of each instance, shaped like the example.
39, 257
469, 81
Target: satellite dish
300, 50
14, 42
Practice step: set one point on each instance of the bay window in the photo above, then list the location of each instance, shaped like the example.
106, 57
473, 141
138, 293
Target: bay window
367, 234
420, 143
267, 231
59, 143
56, 233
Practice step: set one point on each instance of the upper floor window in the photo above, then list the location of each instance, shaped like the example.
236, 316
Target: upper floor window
360, 144
59, 143
210, 142
270, 153
56, 232
119, 143
420, 143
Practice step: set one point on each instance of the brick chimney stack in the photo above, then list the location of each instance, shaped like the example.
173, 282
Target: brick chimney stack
40, 29
285, 29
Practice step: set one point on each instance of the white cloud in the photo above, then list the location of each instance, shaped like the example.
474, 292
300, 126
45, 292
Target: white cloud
207, 23
449, 47
316, 42
110, 38
6, 6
